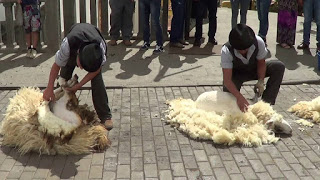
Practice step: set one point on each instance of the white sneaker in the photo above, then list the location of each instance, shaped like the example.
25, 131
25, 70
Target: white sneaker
33, 53
28, 53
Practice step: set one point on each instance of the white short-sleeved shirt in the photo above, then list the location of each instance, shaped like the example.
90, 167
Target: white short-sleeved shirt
227, 58
63, 54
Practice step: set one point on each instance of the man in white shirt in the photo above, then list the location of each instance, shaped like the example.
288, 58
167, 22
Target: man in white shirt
243, 59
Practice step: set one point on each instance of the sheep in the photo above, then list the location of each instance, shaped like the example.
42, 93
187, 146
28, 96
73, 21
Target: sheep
307, 109
61, 127
215, 116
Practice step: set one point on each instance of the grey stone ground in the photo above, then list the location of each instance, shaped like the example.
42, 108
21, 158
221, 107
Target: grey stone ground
143, 146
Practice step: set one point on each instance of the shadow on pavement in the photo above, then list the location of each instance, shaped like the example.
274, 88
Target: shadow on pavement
13, 60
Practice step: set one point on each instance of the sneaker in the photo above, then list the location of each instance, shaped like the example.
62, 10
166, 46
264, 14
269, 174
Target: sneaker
158, 49
197, 42
176, 44
29, 53
183, 42
127, 42
213, 41
108, 124
113, 42
33, 53
145, 46
303, 46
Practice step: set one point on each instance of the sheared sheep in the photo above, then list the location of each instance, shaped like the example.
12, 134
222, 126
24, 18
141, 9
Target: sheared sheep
215, 116
60, 127
307, 109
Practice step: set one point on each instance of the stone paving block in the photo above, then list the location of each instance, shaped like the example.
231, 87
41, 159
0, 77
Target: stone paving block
190, 162
282, 164
158, 131
109, 175
289, 157
96, 172
162, 151
274, 171
149, 158
236, 177
136, 164
249, 153
299, 169
296, 151
82, 175
215, 161
41, 173
165, 174
231, 167
180, 178
82, 164
281, 146
200, 155
193, 174
221, 173
225, 154
205, 168
235, 150
136, 140
21, 160
163, 162
111, 152
97, 159
15, 172
175, 156
137, 175
136, 151
110, 164
248, 172
148, 146
125, 137
27, 175
313, 157
301, 144
156, 122
241, 160
264, 176
257, 166
123, 171
288, 141
196, 145
178, 169
273, 151
183, 140
125, 127
150, 170
265, 158
124, 158
186, 150
306, 163
7, 165
124, 147
210, 149
291, 175
173, 145
314, 173
159, 141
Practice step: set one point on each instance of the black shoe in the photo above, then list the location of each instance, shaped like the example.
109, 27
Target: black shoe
197, 43
303, 46
183, 42
213, 41
145, 46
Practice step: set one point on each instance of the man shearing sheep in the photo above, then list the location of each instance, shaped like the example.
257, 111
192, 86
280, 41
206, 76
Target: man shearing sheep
84, 47
243, 59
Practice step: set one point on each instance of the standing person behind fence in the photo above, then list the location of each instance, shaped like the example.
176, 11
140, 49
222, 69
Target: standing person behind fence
244, 5
121, 19
32, 25
177, 23
152, 7
201, 7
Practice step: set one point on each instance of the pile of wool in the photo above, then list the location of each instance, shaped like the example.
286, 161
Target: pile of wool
29, 125
223, 122
307, 109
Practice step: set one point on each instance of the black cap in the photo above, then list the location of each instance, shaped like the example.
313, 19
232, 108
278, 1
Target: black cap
241, 37
90, 56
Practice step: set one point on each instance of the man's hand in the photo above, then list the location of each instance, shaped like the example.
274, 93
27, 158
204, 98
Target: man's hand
243, 104
48, 94
259, 87
74, 88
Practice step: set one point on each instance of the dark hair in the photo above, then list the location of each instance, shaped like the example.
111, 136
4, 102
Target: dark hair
241, 37
90, 56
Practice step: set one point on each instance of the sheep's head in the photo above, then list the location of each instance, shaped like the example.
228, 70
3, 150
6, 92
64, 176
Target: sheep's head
279, 125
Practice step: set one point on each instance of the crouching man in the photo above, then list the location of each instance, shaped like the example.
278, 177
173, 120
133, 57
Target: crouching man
243, 59
84, 47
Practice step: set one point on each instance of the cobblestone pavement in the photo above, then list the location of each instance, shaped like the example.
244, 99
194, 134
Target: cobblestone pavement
144, 147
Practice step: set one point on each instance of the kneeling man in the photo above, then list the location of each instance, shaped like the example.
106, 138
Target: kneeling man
243, 59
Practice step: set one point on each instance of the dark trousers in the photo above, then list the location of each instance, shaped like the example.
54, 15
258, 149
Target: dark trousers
202, 7
275, 70
121, 19
177, 24
99, 93
152, 7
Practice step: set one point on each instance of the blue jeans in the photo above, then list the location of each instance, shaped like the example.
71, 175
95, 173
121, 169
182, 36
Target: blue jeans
152, 7
243, 11
310, 8
263, 15
177, 24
